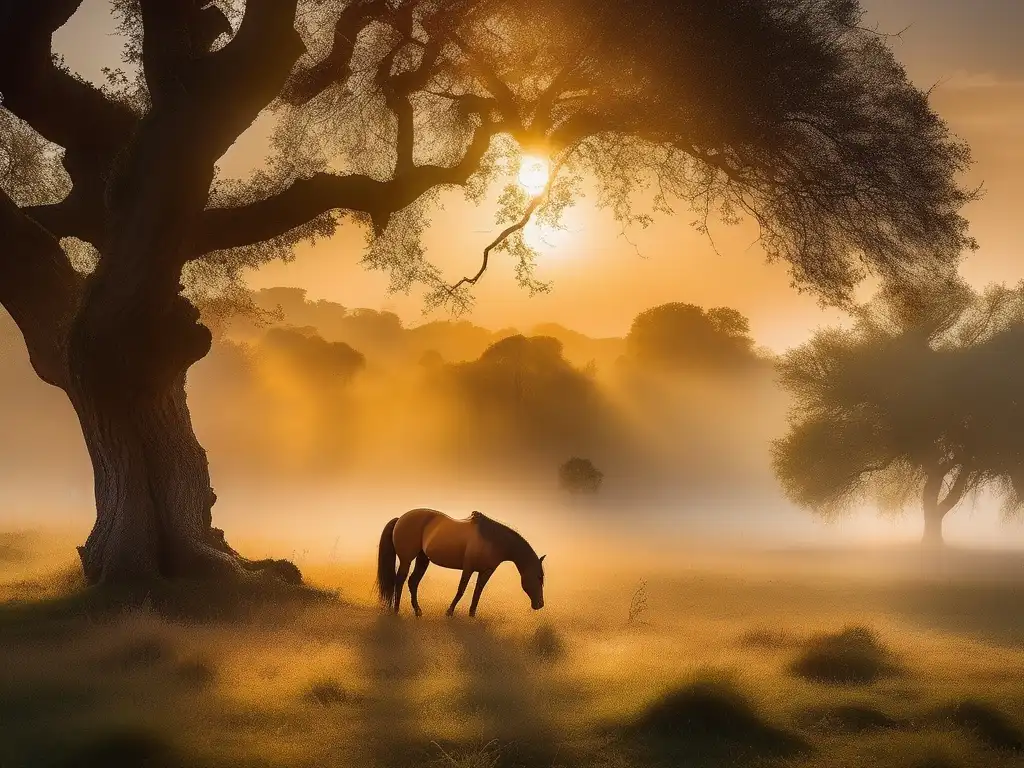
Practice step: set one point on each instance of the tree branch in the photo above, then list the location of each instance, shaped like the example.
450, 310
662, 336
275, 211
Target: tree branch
38, 18
485, 74
502, 237
306, 199
308, 83
167, 47
78, 215
510, 230
60, 107
398, 90
39, 288
303, 201
240, 80
960, 486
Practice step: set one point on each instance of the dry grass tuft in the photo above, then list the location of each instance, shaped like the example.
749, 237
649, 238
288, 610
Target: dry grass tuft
327, 693
854, 656
547, 643
711, 721
490, 755
986, 724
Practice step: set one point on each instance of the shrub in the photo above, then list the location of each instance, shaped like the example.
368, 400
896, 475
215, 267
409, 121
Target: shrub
547, 644
712, 718
580, 476
326, 693
987, 724
851, 657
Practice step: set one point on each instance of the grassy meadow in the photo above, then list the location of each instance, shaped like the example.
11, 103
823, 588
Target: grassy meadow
805, 659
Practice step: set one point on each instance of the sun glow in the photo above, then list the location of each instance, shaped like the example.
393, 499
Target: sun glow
533, 174
546, 239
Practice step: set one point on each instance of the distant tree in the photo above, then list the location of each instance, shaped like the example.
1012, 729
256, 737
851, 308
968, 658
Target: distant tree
516, 366
431, 360
454, 341
319, 362
523, 392
787, 110
918, 402
580, 476
686, 336
293, 308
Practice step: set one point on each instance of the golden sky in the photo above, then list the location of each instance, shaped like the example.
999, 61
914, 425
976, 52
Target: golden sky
601, 280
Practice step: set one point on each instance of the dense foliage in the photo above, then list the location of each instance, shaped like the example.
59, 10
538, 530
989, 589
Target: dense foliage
919, 401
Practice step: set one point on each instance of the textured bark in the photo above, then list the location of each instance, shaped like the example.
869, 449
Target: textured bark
152, 485
131, 344
40, 290
154, 498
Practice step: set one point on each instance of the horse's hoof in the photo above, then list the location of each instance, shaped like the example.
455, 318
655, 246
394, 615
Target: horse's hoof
449, 614
418, 613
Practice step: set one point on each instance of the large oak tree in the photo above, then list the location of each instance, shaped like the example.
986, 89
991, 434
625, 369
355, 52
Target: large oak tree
787, 111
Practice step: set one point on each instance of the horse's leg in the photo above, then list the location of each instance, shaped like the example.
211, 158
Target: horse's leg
481, 582
463, 583
403, 573
422, 561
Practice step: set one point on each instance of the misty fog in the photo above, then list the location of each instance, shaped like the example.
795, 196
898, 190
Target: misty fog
322, 421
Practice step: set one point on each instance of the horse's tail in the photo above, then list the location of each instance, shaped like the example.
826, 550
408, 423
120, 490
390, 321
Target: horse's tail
387, 572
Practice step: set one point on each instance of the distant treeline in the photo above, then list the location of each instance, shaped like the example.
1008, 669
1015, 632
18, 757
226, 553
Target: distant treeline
314, 387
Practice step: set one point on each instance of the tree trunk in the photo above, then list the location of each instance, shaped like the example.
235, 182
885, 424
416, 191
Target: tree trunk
933, 517
152, 488
936, 507
153, 496
129, 352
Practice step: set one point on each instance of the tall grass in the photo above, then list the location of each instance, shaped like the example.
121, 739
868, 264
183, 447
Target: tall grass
766, 669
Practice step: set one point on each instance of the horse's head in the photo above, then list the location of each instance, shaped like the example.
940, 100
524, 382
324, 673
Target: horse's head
532, 577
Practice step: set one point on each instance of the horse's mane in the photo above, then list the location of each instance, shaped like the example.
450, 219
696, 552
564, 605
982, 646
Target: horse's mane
503, 535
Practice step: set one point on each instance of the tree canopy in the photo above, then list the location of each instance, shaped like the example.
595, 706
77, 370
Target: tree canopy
919, 401
788, 111
580, 476
681, 335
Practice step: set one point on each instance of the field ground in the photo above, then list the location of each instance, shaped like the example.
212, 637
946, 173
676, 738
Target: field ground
800, 658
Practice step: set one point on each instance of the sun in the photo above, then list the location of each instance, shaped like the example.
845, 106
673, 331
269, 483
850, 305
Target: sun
534, 173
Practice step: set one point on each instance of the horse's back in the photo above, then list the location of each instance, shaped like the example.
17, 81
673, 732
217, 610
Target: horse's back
412, 529
443, 538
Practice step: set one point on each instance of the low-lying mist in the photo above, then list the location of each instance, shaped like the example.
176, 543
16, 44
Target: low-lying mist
321, 422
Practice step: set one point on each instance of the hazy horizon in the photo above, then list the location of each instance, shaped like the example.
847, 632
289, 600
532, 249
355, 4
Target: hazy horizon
295, 507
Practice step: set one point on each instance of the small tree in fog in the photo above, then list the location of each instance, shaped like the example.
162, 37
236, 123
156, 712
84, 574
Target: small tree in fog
580, 476
431, 360
920, 400
685, 336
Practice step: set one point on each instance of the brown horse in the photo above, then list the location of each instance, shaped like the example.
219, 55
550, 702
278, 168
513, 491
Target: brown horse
475, 545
